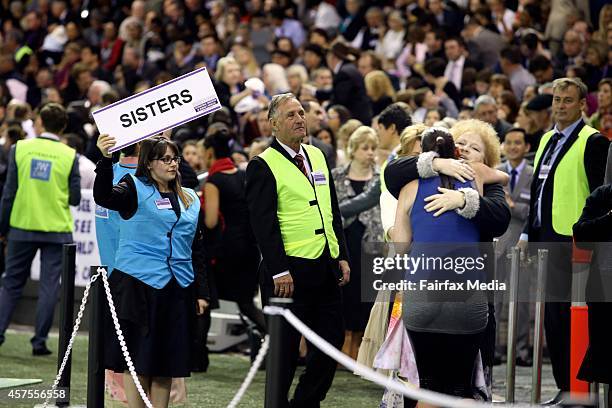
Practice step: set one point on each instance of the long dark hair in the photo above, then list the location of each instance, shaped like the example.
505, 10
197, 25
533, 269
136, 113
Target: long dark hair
440, 140
221, 142
155, 148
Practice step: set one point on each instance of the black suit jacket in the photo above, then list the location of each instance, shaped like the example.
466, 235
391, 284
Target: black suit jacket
349, 90
594, 163
262, 201
493, 216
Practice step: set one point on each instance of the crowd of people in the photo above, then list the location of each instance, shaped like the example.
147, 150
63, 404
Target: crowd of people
397, 95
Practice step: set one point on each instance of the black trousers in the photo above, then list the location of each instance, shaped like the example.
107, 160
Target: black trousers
320, 308
557, 320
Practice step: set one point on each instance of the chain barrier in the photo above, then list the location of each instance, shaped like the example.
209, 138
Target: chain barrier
126, 355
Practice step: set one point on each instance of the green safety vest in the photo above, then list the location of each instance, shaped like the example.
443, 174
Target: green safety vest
571, 185
304, 210
43, 170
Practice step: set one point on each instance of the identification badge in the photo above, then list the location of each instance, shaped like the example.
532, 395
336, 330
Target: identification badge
101, 212
544, 170
525, 195
319, 178
163, 204
40, 169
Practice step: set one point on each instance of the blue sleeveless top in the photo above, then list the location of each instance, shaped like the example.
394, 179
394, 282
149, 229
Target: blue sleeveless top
448, 227
445, 243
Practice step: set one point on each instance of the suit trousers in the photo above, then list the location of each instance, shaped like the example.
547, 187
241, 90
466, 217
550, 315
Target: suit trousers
557, 322
18, 264
320, 308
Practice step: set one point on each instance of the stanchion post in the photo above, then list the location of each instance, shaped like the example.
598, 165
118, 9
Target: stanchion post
538, 332
95, 359
512, 315
66, 315
277, 329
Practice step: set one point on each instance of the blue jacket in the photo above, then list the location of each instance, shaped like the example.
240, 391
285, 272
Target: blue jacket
154, 244
107, 223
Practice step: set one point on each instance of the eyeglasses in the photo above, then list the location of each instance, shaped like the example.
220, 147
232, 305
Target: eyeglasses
168, 160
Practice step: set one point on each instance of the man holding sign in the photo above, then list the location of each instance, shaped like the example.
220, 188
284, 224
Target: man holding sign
43, 180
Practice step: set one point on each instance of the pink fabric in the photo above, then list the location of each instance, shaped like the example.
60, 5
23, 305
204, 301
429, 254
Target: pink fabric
396, 353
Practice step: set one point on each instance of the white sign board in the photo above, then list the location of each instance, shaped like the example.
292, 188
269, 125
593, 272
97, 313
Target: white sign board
84, 236
163, 107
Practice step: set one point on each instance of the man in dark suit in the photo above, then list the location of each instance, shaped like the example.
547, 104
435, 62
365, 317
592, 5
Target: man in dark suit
570, 164
296, 221
518, 196
458, 60
348, 86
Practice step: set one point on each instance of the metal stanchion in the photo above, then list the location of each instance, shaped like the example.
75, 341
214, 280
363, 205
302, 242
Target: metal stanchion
594, 393
536, 373
95, 358
277, 328
66, 316
512, 317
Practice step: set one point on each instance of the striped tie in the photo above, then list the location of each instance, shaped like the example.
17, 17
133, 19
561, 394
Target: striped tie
299, 160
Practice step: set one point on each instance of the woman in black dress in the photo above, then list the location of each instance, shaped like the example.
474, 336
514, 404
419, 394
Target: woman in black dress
159, 268
232, 253
351, 180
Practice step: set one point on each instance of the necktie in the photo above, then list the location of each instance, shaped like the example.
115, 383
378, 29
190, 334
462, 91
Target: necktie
513, 179
549, 153
540, 181
299, 160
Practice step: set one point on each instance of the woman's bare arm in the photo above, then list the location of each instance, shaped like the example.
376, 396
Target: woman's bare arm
401, 234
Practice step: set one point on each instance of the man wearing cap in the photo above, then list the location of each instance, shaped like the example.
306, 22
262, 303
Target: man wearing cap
538, 110
348, 88
297, 224
569, 164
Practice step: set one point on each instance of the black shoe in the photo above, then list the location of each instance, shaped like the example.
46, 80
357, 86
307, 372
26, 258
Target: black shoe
498, 359
556, 400
524, 361
41, 351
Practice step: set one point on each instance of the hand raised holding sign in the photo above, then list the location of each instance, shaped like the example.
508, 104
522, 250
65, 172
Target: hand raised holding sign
104, 143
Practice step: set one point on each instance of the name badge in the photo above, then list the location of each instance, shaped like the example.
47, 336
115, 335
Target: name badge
163, 204
526, 195
319, 178
544, 170
101, 212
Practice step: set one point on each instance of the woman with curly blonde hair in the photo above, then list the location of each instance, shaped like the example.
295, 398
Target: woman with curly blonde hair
380, 90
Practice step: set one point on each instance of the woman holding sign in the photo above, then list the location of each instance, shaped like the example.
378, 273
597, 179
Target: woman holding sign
159, 267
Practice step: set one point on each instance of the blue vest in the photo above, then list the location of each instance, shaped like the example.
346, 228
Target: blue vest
155, 245
107, 222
